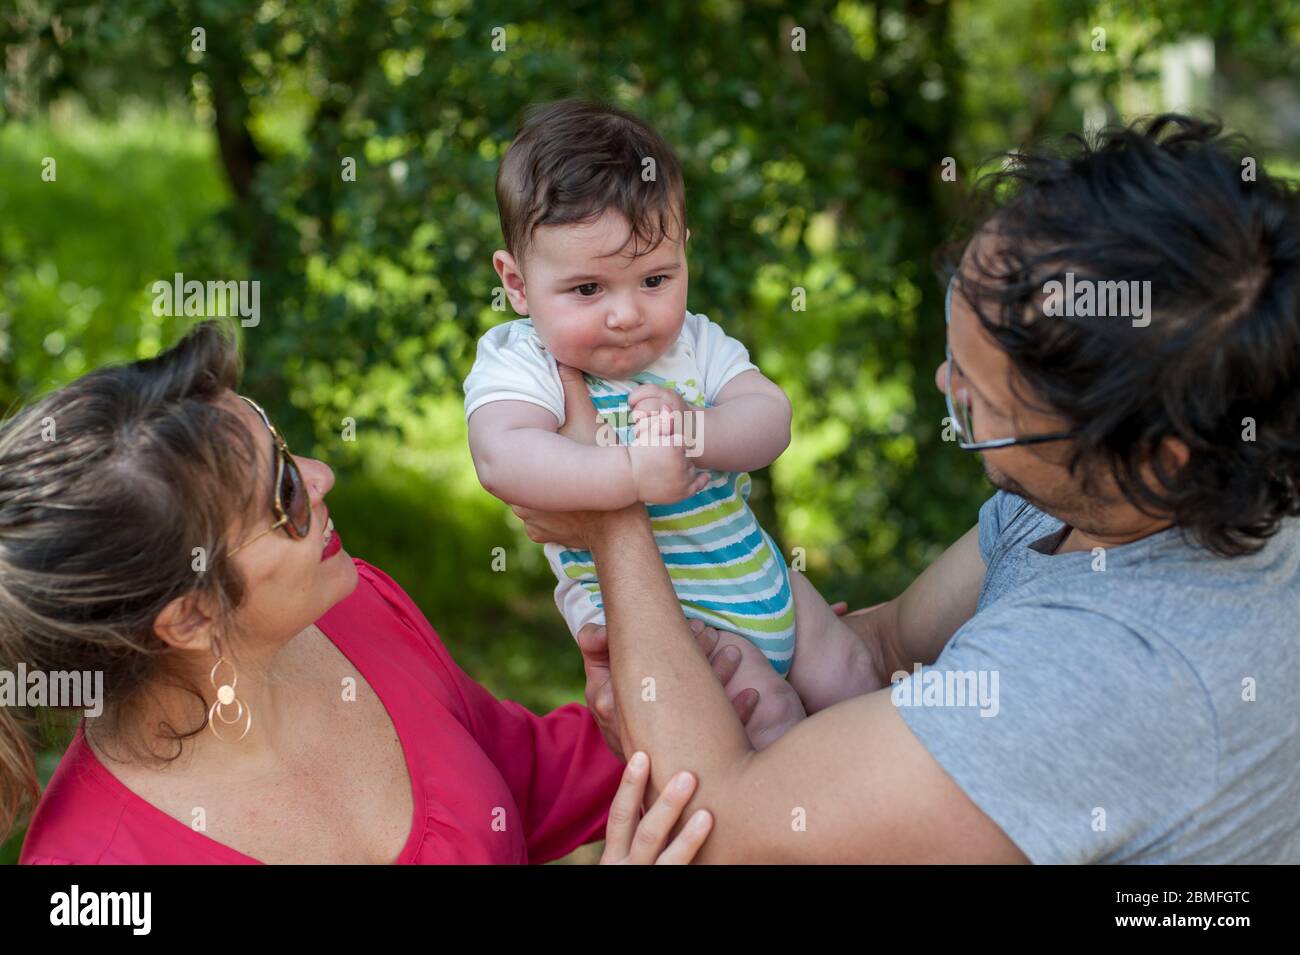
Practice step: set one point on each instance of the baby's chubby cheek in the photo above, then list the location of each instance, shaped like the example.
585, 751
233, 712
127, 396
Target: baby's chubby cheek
574, 342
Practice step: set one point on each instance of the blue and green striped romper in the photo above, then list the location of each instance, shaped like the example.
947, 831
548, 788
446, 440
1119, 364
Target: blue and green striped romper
726, 570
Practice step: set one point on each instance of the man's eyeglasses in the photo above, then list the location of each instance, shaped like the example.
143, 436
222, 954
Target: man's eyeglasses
290, 502
961, 416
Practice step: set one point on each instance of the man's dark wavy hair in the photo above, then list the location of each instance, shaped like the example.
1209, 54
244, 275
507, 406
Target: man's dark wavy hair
1172, 201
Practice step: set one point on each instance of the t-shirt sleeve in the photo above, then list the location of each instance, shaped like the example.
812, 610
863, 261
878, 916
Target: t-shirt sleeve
512, 365
995, 514
720, 357
1084, 741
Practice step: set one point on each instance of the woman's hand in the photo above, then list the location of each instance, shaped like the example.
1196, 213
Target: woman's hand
634, 839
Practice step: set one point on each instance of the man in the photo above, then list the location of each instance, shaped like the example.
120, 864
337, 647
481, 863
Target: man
1104, 669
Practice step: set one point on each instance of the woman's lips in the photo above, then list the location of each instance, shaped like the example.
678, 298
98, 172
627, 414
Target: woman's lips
332, 543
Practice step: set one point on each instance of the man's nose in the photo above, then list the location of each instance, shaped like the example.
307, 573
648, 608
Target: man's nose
941, 377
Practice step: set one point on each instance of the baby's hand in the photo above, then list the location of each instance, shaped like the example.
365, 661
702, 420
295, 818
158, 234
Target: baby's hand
660, 468
650, 399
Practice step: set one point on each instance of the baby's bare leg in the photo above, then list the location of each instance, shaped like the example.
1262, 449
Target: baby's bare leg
831, 663
778, 706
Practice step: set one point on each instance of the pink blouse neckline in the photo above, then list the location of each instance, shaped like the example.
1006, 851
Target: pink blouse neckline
419, 813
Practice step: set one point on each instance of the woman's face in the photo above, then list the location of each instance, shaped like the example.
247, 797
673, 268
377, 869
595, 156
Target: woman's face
289, 583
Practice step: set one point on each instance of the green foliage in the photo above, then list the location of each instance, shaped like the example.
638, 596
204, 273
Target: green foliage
815, 170
77, 254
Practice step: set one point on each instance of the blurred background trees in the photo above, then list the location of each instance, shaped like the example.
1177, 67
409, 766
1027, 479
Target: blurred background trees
214, 138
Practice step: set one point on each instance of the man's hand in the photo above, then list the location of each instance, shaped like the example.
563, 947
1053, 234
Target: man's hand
581, 423
870, 626
660, 468
594, 643
569, 529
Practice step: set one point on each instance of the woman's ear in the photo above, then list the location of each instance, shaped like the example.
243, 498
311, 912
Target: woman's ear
186, 622
512, 280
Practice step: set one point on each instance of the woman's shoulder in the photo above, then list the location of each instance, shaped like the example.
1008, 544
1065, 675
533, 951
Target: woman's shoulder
86, 816
59, 835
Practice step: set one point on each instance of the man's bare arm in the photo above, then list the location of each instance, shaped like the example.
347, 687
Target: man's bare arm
867, 789
915, 626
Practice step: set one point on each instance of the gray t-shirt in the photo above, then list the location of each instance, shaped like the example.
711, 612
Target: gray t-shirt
1144, 712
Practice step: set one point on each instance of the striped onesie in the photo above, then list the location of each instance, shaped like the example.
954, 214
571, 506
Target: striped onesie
725, 568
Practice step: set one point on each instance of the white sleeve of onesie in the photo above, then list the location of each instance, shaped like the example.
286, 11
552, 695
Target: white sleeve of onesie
718, 356
513, 365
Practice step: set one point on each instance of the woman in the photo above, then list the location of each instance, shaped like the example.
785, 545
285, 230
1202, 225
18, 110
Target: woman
268, 698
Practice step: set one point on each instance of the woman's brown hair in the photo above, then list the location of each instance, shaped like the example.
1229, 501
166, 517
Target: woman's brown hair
117, 493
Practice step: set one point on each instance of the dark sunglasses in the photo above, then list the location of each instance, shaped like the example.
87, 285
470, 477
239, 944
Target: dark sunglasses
290, 502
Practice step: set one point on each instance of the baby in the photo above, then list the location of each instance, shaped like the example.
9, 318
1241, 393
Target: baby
593, 211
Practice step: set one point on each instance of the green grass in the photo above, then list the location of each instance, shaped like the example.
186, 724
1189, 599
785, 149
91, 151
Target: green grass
79, 252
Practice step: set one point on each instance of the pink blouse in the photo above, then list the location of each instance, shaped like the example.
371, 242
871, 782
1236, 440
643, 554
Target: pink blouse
491, 781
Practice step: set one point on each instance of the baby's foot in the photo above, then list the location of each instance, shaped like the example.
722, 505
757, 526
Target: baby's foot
779, 706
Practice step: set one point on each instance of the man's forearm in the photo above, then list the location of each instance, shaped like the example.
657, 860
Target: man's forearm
921, 620
671, 705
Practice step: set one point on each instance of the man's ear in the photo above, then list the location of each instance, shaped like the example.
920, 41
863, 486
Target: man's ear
1170, 456
512, 280
185, 623
1173, 454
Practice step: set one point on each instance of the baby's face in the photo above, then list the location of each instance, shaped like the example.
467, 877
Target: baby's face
608, 314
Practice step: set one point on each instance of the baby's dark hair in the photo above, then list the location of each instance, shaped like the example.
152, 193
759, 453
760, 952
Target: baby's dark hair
573, 159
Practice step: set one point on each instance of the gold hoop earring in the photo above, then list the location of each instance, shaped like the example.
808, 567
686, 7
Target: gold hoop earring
226, 697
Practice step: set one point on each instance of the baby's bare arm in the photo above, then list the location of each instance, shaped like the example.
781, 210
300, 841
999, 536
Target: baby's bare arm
748, 426
521, 459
